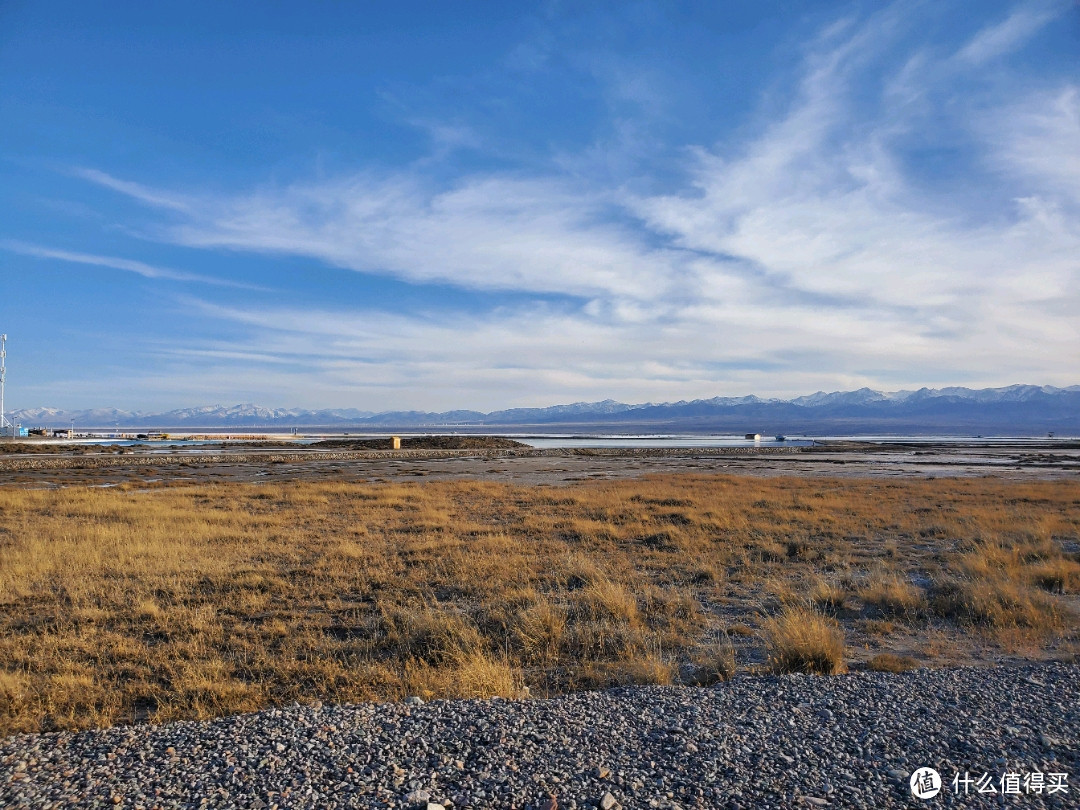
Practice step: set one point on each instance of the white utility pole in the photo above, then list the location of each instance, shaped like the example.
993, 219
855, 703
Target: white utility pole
4, 423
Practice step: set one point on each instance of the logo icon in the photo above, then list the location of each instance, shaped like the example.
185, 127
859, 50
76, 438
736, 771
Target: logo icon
925, 783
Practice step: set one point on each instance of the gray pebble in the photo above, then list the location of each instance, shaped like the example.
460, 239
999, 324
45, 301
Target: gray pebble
725, 746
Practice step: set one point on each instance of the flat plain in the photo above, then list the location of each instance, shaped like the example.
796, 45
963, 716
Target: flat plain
184, 590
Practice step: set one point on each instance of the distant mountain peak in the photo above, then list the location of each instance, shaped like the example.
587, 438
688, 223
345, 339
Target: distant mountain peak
1030, 408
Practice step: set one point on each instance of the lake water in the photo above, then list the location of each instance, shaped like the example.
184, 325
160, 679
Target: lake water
543, 442
540, 442
560, 441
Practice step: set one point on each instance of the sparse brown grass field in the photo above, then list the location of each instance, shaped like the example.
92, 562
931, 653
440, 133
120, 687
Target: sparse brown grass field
126, 604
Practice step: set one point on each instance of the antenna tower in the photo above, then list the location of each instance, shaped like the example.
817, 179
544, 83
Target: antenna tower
4, 423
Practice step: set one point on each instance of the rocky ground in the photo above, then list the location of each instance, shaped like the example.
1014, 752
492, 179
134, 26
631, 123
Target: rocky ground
755, 742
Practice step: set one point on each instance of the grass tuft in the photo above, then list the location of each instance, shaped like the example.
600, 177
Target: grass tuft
888, 662
801, 639
894, 595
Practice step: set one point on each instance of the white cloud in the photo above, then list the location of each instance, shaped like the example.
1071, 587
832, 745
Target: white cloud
137, 191
821, 203
540, 355
1038, 139
500, 233
1014, 31
129, 265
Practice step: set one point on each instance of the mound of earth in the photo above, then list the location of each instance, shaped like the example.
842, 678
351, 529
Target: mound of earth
424, 443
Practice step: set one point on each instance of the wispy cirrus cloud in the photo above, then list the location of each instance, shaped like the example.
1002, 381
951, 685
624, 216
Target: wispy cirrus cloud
824, 203
519, 354
137, 191
128, 265
1014, 31
487, 232
1036, 139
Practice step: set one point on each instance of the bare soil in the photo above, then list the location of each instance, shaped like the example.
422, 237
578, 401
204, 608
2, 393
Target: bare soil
454, 458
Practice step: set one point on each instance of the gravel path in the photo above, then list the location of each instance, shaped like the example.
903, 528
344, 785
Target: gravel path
756, 742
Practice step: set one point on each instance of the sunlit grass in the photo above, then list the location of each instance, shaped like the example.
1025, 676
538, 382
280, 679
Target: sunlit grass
192, 602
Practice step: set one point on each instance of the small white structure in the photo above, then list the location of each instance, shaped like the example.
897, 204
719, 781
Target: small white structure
6, 427
753, 437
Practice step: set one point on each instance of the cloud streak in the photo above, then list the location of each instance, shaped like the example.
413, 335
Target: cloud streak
128, 265
136, 191
999, 39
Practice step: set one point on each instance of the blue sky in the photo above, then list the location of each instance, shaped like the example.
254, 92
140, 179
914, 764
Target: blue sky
480, 205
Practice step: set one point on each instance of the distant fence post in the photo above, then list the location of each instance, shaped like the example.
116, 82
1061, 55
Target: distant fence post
395, 442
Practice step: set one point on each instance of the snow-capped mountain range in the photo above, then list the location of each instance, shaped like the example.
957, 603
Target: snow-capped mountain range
1024, 409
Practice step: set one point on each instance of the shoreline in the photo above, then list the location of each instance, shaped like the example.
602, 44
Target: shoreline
554, 466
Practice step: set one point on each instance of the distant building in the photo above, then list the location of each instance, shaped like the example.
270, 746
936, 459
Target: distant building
753, 437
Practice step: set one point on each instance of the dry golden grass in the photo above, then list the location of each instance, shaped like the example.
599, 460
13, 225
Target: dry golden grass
828, 595
893, 595
712, 662
1002, 582
888, 662
800, 639
190, 602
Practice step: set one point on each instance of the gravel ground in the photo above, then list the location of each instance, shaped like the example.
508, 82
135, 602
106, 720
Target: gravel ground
755, 742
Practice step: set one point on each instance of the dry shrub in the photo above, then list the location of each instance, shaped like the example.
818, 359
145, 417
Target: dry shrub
713, 662
878, 627
828, 595
672, 611
1060, 575
889, 662
893, 595
607, 601
801, 639
472, 675
210, 688
71, 696
1000, 584
482, 676
539, 631
642, 670
148, 609
430, 635
997, 604
592, 641
767, 551
14, 691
